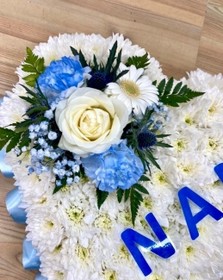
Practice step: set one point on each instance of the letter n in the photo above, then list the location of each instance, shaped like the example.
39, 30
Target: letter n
132, 238
206, 209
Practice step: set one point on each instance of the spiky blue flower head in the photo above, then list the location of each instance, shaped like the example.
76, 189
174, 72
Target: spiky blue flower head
146, 139
99, 80
61, 75
118, 167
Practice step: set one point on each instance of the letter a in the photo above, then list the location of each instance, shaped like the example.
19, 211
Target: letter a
132, 238
206, 209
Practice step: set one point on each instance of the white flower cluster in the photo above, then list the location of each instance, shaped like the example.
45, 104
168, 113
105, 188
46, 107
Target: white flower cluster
75, 240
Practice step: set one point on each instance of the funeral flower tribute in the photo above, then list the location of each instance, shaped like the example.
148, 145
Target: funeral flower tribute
97, 136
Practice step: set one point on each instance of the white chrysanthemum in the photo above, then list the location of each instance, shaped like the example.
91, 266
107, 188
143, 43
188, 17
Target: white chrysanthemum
36, 189
213, 143
158, 201
154, 70
128, 49
57, 47
134, 89
203, 81
182, 141
45, 227
13, 108
192, 169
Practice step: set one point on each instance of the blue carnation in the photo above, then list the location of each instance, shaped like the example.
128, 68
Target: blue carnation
118, 167
61, 75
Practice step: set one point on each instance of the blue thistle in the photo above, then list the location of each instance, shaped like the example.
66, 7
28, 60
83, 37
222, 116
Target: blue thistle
99, 80
146, 139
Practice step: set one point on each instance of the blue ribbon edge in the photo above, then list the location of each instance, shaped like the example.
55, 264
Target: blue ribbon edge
30, 259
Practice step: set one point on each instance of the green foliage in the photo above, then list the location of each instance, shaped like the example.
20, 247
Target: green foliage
34, 65
58, 188
111, 66
19, 136
13, 138
37, 99
81, 56
120, 194
173, 96
101, 197
134, 194
144, 178
138, 61
136, 199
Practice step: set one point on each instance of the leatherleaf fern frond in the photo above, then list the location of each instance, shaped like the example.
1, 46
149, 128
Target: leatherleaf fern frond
33, 65
174, 95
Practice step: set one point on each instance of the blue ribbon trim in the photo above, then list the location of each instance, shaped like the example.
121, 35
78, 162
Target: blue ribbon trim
13, 201
40, 277
5, 169
30, 260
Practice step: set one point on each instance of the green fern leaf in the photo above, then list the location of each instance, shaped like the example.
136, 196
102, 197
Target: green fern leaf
33, 65
174, 96
13, 142
140, 188
138, 61
135, 201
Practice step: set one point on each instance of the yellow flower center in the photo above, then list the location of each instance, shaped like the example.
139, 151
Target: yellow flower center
42, 200
75, 214
213, 144
212, 109
123, 253
155, 277
130, 88
110, 275
160, 178
188, 120
82, 253
180, 144
59, 275
125, 218
57, 249
65, 189
49, 224
186, 168
103, 221
189, 251
147, 203
144, 224
202, 230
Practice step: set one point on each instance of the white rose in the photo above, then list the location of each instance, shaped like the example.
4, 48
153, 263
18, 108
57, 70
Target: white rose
90, 121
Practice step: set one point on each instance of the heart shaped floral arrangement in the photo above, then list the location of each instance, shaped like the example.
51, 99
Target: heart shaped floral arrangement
99, 138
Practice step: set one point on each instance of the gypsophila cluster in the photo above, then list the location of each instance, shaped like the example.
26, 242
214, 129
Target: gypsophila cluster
67, 170
45, 157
